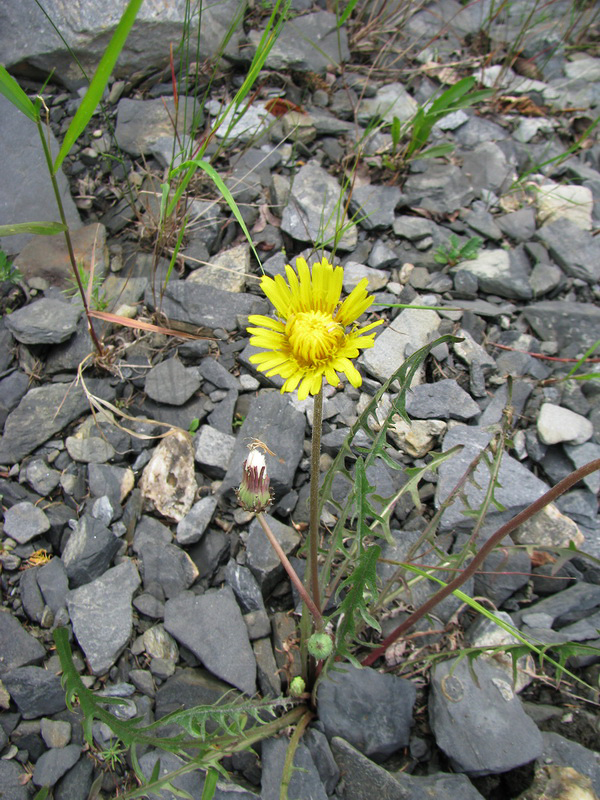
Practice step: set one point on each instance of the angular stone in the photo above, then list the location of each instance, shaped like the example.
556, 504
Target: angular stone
567, 753
166, 567
213, 371
77, 782
36, 691
54, 763
213, 450
517, 486
575, 251
309, 42
310, 214
55, 732
12, 781
391, 100
273, 420
222, 416
12, 390
91, 449
487, 167
374, 204
409, 331
28, 194
354, 273
227, 271
30, 424
496, 735
441, 400
168, 483
245, 587
212, 627
44, 322
171, 383
17, 647
371, 710
499, 272
205, 306
556, 424
192, 526
101, 615
141, 123
24, 521
442, 189
305, 782
262, 560
364, 779
574, 203
191, 783
568, 323
54, 584
89, 551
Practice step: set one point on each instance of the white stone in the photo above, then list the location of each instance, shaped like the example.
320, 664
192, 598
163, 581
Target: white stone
355, 272
392, 100
575, 203
168, 483
416, 437
413, 327
557, 424
549, 528
585, 67
227, 271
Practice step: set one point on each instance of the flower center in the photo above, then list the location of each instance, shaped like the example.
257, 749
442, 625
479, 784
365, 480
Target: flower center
314, 336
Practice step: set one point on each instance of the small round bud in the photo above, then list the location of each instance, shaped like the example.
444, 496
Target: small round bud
297, 687
320, 645
254, 493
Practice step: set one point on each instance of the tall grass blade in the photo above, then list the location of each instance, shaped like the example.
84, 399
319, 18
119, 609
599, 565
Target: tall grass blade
346, 13
99, 81
13, 92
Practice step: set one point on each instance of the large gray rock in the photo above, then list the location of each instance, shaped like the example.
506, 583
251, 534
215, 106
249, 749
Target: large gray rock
305, 782
171, 383
374, 205
567, 753
311, 213
43, 412
141, 123
212, 627
441, 400
101, 615
24, 521
27, 194
44, 322
89, 550
273, 420
500, 272
309, 42
576, 251
442, 189
371, 710
363, 780
12, 781
185, 301
481, 726
54, 763
17, 647
565, 322
517, 486
36, 691
262, 560
28, 38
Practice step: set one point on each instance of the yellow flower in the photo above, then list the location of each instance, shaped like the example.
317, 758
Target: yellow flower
310, 339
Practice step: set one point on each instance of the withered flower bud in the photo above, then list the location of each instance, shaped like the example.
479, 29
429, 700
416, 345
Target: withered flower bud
254, 493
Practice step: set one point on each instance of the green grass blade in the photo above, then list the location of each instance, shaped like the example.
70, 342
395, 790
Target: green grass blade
451, 95
583, 359
37, 228
13, 92
346, 13
210, 784
94, 93
437, 150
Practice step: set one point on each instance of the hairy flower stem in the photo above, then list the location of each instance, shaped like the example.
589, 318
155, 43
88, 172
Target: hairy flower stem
313, 534
63, 219
290, 571
483, 553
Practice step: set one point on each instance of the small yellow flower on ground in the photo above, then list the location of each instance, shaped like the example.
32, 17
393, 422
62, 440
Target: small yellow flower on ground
310, 339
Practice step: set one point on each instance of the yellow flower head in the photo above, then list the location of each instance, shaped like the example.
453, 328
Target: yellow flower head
310, 339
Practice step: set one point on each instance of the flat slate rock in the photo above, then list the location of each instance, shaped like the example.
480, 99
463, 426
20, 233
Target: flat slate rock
441, 400
171, 383
205, 306
192, 782
305, 782
371, 710
273, 420
101, 615
568, 323
363, 780
43, 412
46, 321
36, 691
54, 763
17, 647
24, 521
517, 486
212, 627
261, 559
12, 784
575, 251
89, 551
482, 727
26, 190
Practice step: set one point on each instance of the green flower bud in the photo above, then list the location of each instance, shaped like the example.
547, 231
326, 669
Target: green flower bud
254, 493
297, 687
320, 645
